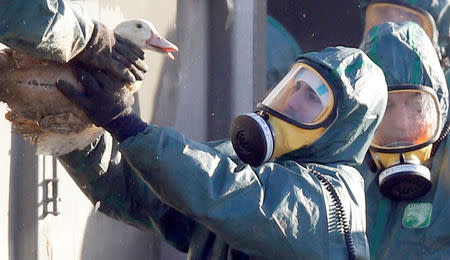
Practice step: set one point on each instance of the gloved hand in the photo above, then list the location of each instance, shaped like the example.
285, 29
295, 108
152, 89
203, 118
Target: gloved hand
103, 100
110, 52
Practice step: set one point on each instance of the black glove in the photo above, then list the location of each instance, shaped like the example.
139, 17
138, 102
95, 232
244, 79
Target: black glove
110, 52
106, 102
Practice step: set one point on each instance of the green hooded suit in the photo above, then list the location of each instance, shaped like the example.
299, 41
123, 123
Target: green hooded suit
407, 56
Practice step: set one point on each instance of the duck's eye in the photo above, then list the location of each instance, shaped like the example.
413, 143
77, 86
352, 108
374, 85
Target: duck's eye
139, 25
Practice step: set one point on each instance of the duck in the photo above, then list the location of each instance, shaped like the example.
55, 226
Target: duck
42, 114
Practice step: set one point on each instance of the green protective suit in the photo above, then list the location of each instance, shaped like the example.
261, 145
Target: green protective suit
407, 56
43, 28
203, 200
447, 79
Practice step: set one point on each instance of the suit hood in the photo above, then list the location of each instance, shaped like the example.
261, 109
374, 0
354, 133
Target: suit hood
361, 100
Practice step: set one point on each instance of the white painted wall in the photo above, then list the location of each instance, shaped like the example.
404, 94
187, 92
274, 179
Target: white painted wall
5, 145
242, 57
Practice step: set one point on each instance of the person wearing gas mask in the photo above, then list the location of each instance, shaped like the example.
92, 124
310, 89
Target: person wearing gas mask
406, 172
432, 15
288, 192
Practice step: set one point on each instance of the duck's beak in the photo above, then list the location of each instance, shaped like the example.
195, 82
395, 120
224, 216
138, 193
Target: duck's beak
159, 44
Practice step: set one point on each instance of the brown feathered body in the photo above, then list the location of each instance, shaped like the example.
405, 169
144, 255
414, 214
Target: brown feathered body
38, 111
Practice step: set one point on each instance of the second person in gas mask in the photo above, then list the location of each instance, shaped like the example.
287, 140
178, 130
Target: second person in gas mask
407, 187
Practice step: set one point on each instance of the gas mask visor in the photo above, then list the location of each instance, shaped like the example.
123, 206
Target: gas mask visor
293, 115
303, 98
404, 139
385, 11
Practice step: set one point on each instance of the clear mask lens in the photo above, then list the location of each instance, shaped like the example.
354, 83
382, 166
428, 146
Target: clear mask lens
303, 96
412, 118
379, 13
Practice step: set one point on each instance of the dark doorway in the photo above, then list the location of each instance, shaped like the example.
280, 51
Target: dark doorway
317, 24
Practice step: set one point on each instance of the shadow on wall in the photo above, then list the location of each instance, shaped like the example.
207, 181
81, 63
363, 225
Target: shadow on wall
101, 242
180, 98
168, 90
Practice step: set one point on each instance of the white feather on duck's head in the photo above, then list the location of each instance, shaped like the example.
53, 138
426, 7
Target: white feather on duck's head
144, 34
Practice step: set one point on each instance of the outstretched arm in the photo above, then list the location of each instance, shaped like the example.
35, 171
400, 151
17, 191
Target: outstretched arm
104, 177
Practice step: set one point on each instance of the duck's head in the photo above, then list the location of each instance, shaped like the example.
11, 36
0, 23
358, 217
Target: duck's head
143, 33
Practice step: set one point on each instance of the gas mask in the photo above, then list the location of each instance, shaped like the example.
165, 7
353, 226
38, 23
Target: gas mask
293, 115
404, 139
383, 11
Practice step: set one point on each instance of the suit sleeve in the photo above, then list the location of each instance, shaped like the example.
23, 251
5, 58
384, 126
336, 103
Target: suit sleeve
275, 211
105, 178
56, 30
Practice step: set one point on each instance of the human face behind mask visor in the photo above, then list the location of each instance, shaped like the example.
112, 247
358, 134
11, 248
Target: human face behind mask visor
418, 102
404, 139
293, 115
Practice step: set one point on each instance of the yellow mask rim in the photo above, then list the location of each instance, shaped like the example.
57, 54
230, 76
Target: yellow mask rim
385, 160
289, 137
